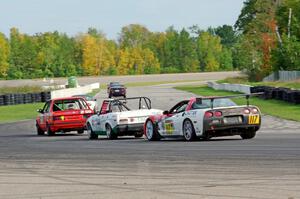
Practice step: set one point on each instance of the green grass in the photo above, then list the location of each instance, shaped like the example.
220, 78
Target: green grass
21, 89
19, 112
243, 80
270, 107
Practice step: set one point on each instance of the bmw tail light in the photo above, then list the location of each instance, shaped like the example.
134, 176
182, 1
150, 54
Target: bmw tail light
55, 118
218, 114
246, 111
208, 114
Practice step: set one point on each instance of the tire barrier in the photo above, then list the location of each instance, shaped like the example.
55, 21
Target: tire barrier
283, 94
24, 98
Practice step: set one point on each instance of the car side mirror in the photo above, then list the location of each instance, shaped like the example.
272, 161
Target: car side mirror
40, 111
166, 112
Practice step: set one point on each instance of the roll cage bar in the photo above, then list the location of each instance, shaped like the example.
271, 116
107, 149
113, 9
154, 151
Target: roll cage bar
146, 100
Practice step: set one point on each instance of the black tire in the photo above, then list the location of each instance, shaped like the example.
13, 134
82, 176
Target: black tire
49, 132
248, 134
109, 96
206, 137
188, 130
81, 131
138, 135
92, 135
151, 131
39, 131
109, 132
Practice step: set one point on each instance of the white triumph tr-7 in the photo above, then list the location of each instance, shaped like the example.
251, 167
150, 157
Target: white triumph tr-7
121, 117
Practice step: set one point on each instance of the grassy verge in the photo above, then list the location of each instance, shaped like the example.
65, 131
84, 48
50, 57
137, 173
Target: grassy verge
243, 80
19, 112
270, 107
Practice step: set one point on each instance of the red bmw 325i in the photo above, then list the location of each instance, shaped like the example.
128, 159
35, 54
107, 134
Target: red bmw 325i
63, 115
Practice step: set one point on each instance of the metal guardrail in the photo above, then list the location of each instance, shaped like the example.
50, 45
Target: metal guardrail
283, 76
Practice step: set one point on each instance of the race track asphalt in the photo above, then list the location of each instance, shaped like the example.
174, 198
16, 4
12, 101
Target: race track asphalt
71, 166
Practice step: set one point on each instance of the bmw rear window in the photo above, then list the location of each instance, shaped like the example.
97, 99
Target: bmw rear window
69, 104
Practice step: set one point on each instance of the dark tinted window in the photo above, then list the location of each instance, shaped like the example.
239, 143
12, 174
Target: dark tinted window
69, 104
202, 104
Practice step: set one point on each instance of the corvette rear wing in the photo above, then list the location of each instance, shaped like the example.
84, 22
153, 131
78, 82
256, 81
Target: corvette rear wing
247, 96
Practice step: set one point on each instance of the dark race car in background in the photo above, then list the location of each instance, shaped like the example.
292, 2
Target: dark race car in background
63, 115
205, 117
115, 89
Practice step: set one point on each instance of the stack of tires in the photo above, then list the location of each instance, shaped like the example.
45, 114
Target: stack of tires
283, 94
1, 100
23, 98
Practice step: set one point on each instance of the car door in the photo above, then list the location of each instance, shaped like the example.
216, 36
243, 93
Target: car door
172, 123
43, 116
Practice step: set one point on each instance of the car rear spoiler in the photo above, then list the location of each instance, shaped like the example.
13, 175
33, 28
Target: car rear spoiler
247, 96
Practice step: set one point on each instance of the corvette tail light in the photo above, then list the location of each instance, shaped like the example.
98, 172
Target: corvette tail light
208, 114
218, 114
246, 111
254, 111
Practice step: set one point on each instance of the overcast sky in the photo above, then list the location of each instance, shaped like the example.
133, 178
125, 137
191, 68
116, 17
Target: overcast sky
74, 16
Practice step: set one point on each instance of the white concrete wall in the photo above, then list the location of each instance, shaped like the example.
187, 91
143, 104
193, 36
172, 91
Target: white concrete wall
74, 91
230, 87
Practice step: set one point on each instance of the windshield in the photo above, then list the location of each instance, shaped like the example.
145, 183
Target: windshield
202, 104
69, 104
114, 84
86, 97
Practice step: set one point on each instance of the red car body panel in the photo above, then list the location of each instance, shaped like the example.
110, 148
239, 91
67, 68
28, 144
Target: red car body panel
65, 120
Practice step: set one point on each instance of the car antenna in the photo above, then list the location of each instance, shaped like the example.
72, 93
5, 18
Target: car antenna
212, 103
247, 98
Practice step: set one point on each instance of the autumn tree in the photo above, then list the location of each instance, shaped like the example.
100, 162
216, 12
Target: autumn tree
98, 54
4, 55
209, 50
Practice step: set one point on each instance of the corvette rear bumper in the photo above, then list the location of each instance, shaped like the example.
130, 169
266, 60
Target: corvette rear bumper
227, 130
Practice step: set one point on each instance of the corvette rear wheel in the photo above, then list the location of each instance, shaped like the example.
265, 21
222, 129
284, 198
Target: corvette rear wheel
248, 134
188, 130
92, 135
151, 131
109, 132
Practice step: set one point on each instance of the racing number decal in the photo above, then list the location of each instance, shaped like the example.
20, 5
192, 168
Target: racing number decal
169, 127
253, 119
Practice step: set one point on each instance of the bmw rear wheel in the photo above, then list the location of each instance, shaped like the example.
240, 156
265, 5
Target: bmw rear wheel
49, 131
151, 131
92, 135
39, 130
81, 131
188, 130
109, 132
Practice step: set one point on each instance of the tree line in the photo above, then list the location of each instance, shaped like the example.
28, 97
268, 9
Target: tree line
259, 43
